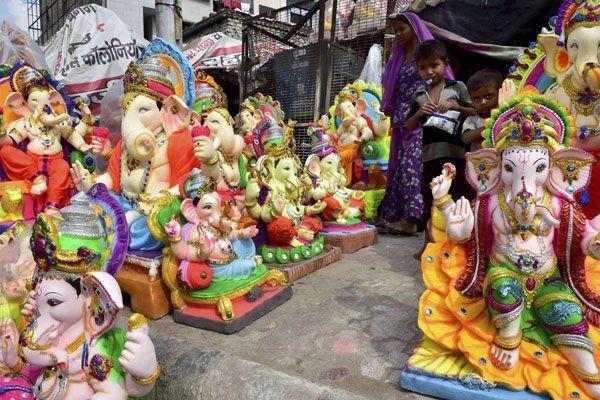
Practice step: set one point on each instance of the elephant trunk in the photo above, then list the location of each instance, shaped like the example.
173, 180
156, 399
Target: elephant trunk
52, 120
524, 203
590, 72
140, 144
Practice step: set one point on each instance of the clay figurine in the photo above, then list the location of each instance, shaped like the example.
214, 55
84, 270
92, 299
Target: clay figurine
511, 293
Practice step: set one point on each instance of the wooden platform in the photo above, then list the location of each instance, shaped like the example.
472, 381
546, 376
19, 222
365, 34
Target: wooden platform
140, 278
245, 312
351, 239
296, 271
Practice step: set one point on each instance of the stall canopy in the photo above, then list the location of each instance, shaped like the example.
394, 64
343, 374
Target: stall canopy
496, 22
215, 50
91, 52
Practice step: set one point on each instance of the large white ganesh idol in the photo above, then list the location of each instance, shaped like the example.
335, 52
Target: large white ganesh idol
512, 290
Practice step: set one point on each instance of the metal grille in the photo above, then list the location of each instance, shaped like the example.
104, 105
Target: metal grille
359, 25
46, 17
305, 53
282, 59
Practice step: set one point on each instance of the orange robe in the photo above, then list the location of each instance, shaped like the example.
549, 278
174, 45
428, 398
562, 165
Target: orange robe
349, 154
20, 165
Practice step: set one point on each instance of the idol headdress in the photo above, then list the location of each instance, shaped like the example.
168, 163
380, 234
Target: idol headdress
92, 236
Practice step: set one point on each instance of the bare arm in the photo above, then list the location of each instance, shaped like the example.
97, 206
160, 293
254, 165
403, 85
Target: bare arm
12, 133
412, 123
472, 136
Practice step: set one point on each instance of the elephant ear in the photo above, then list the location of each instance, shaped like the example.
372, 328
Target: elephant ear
312, 166
265, 167
570, 172
483, 171
57, 102
176, 114
188, 209
103, 301
17, 104
557, 60
361, 106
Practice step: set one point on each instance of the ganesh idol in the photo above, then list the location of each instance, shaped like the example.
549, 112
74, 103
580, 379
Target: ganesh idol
565, 65
70, 347
156, 147
210, 264
512, 278
35, 113
280, 199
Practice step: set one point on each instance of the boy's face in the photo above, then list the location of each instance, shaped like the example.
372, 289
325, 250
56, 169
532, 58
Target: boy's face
485, 99
432, 68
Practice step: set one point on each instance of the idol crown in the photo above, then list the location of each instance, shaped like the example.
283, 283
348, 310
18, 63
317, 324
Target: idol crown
198, 184
529, 119
48, 254
209, 91
574, 13
26, 79
276, 140
152, 82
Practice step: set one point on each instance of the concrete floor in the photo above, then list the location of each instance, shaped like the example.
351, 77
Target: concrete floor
345, 334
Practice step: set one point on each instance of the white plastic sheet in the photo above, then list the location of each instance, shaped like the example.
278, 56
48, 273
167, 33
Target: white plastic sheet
91, 52
373, 69
16, 45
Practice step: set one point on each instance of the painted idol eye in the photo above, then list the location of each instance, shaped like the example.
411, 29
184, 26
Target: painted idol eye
541, 167
508, 168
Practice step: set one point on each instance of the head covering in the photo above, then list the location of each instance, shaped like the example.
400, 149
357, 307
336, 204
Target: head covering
92, 235
392, 69
26, 79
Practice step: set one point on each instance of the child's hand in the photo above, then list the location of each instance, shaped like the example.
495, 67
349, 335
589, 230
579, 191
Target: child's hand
448, 105
427, 108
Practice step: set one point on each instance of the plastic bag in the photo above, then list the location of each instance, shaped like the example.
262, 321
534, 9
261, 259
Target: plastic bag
373, 69
447, 121
17, 45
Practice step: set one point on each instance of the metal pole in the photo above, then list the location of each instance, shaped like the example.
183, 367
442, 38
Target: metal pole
331, 55
321, 76
168, 21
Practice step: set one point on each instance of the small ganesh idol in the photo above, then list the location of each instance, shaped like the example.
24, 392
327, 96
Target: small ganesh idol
71, 341
211, 267
35, 115
512, 278
252, 110
280, 198
359, 130
342, 224
16, 273
324, 167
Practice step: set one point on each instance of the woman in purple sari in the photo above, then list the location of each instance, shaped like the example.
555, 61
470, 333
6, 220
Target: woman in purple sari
402, 205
